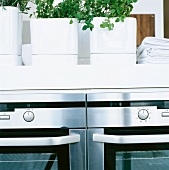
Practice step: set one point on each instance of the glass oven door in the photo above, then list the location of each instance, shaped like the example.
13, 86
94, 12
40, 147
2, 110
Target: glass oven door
136, 156
115, 151
28, 149
32, 158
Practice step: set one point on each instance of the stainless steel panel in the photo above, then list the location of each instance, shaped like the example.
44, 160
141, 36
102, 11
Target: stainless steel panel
95, 151
121, 117
127, 96
46, 118
106, 96
35, 96
78, 151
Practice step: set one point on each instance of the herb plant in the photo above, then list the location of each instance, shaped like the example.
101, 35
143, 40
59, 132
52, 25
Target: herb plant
85, 10
119, 9
21, 4
65, 9
44, 9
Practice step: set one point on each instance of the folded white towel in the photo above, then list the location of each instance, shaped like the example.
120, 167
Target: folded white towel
153, 42
142, 61
150, 55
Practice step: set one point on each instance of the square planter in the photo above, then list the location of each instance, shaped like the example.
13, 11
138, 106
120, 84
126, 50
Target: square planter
10, 60
54, 60
54, 37
10, 34
110, 59
121, 41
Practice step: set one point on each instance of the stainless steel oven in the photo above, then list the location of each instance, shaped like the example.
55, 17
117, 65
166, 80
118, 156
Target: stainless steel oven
42, 130
128, 131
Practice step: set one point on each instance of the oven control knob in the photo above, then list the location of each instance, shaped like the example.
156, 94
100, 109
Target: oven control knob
28, 116
143, 114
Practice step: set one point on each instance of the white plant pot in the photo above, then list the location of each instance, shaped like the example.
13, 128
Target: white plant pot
10, 36
54, 60
117, 46
113, 59
10, 31
10, 60
122, 39
53, 37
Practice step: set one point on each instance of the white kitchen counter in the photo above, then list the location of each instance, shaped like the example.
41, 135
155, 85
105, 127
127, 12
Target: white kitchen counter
84, 77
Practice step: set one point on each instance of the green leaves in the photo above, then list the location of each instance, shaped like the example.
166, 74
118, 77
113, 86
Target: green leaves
86, 10
88, 24
107, 24
83, 10
21, 4
117, 20
71, 21
110, 26
85, 27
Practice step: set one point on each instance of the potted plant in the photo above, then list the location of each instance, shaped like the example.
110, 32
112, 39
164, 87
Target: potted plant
54, 38
55, 33
11, 31
113, 35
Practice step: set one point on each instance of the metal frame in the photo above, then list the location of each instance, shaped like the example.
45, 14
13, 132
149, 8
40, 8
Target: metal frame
73, 118
100, 117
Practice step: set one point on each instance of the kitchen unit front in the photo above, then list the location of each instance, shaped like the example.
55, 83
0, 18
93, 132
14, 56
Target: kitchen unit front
128, 131
47, 130
42, 130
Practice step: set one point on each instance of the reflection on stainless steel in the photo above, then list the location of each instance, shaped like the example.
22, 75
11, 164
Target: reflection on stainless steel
78, 151
95, 150
34, 96
45, 118
42, 130
127, 96
122, 116
128, 131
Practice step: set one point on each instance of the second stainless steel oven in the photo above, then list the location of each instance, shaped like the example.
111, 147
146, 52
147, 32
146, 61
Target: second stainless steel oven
128, 131
42, 130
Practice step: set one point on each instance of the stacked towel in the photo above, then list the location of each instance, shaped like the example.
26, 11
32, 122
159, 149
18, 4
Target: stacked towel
153, 50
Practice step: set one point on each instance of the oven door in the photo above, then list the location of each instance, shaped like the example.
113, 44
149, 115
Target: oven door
28, 150
110, 150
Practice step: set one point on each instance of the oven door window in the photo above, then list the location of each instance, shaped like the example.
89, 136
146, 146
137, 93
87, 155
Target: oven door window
137, 157
32, 149
139, 148
34, 158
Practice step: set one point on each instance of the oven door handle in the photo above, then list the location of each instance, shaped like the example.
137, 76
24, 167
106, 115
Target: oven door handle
131, 139
40, 141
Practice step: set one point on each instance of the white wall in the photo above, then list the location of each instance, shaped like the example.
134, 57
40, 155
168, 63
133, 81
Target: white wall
152, 7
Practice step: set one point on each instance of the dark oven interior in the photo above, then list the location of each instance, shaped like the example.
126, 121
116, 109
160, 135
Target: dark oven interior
147, 156
34, 157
